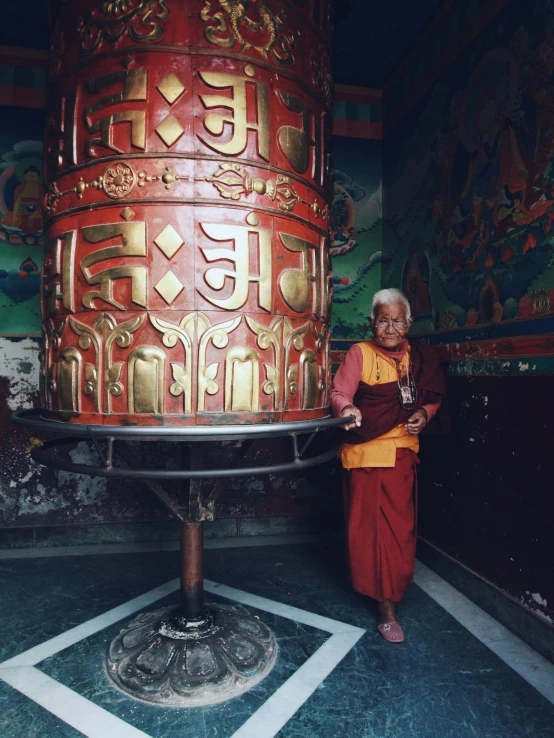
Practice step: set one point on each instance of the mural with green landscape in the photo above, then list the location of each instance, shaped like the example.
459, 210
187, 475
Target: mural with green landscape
356, 235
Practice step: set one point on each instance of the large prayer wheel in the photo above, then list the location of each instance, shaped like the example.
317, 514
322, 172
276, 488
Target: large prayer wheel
186, 274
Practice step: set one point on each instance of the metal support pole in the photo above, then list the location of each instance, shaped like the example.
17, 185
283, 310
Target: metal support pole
192, 541
192, 575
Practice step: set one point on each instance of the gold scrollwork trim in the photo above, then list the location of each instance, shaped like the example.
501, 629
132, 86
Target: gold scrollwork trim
231, 181
112, 19
224, 29
320, 62
89, 336
218, 334
270, 336
293, 338
182, 374
145, 156
118, 181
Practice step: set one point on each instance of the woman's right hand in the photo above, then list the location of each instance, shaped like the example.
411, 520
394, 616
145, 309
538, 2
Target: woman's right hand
351, 410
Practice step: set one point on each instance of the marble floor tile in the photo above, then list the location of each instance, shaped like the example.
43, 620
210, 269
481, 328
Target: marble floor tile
81, 668
441, 683
22, 718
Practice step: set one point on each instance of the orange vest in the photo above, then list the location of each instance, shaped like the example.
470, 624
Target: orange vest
378, 368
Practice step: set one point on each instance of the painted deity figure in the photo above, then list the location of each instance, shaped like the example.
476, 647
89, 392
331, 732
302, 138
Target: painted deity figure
28, 196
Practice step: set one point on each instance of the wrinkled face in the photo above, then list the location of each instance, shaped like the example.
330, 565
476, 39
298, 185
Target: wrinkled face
390, 325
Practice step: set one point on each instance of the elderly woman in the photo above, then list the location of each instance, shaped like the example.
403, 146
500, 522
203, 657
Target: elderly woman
392, 387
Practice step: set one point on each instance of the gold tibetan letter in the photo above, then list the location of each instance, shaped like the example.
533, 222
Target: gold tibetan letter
215, 123
240, 257
296, 143
133, 236
295, 283
59, 269
134, 89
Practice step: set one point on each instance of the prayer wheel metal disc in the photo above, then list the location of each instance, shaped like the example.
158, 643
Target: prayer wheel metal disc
161, 657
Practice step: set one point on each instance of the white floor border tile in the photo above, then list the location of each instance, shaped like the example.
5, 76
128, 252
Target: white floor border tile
534, 668
94, 722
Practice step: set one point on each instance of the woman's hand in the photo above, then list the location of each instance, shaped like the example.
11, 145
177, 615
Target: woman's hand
351, 410
416, 422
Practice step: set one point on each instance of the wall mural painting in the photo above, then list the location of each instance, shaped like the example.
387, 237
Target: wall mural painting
356, 249
480, 148
21, 238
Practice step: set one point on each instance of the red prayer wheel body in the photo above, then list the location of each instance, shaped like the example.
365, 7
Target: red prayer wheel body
186, 275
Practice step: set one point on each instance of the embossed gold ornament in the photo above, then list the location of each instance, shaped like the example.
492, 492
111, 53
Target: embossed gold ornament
234, 182
134, 86
170, 130
119, 180
240, 258
169, 287
183, 333
215, 122
166, 179
169, 241
293, 339
207, 373
320, 61
171, 87
270, 337
69, 369
52, 335
51, 198
112, 19
146, 374
59, 272
133, 236
105, 331
306, 376
226, 27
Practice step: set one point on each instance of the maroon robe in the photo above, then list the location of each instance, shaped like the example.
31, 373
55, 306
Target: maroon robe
381, 503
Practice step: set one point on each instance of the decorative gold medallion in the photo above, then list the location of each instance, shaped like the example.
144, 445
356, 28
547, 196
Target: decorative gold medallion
119, 180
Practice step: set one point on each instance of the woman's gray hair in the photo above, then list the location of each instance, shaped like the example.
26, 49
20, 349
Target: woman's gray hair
389, 297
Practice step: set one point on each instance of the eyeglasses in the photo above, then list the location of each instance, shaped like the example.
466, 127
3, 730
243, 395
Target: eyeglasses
398, 325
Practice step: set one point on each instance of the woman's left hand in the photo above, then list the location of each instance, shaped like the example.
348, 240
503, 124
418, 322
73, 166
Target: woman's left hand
416, 422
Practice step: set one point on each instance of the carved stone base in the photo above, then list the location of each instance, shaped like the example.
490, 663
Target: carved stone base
163, 658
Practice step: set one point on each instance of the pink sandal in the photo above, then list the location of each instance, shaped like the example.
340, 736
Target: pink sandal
391, 632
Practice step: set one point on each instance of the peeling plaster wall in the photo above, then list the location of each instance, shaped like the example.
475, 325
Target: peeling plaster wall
33, 496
